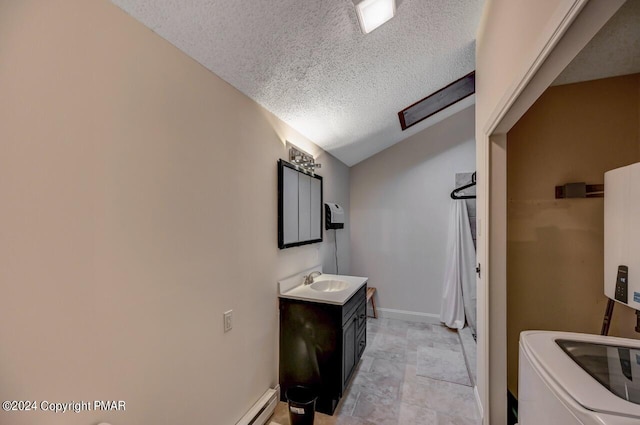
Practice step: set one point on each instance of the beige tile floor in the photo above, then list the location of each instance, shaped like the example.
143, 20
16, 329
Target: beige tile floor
400, 380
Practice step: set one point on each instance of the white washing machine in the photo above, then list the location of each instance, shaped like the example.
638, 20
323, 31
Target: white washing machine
578, 379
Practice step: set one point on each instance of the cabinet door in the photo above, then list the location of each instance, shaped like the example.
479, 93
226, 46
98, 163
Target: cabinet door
290, 205
362, 344
349, 349
361, 313
304, 207
316, 209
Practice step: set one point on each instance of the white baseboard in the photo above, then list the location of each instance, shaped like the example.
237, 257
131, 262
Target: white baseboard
479, 404
409, 316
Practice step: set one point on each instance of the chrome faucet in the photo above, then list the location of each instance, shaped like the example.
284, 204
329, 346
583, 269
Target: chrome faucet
308, 279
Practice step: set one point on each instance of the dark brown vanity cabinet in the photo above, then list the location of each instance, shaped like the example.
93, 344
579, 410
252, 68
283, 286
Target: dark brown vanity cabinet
320, 346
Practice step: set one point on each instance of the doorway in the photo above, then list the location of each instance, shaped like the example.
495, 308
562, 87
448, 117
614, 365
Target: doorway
494, 140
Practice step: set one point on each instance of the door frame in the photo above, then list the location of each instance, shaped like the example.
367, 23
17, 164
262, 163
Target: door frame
569, 29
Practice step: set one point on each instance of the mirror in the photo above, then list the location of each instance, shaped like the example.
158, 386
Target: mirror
299, 206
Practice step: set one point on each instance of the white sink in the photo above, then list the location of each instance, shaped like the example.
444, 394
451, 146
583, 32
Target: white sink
329, 285
327, 288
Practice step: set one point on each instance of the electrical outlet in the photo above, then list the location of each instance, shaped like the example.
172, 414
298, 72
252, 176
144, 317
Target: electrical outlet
228, 320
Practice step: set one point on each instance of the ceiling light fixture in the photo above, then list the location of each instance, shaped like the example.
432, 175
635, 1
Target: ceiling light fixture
302, 159
373, 13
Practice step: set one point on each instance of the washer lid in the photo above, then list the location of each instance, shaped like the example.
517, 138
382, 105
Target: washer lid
600, 373
611, 365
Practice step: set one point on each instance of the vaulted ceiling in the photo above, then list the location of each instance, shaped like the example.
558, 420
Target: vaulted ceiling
613, 51
308, 62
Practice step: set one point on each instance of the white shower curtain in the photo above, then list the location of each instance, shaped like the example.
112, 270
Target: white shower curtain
459, 289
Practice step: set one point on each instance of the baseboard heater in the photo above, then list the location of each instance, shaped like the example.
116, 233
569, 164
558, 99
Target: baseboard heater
260, 412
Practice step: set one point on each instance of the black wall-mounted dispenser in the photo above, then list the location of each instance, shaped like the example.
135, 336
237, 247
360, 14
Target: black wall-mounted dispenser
333, 216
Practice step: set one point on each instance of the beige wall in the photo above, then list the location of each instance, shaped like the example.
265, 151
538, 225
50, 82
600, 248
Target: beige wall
138, 204
400, 209
555, 253
509, 37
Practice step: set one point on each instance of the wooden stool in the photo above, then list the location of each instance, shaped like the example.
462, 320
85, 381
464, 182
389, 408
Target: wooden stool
370, 292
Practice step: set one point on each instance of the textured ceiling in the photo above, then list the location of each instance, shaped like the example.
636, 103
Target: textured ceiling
613, 51
307, 61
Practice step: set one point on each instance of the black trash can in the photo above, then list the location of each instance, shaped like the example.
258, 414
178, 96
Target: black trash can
302, 405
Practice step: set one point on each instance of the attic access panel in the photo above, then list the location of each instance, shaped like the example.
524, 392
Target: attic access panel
436, 102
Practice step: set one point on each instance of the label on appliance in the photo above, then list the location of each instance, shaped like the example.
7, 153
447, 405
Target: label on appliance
297, 410
636, 297
622, 284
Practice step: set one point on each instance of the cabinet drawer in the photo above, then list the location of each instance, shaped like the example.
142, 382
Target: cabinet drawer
350, 306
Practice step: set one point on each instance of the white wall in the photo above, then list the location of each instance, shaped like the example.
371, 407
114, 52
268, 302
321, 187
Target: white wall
139, 198
339, 194
400, 200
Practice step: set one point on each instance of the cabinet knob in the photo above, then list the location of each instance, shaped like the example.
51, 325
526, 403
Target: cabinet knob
362, 343
361, 316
